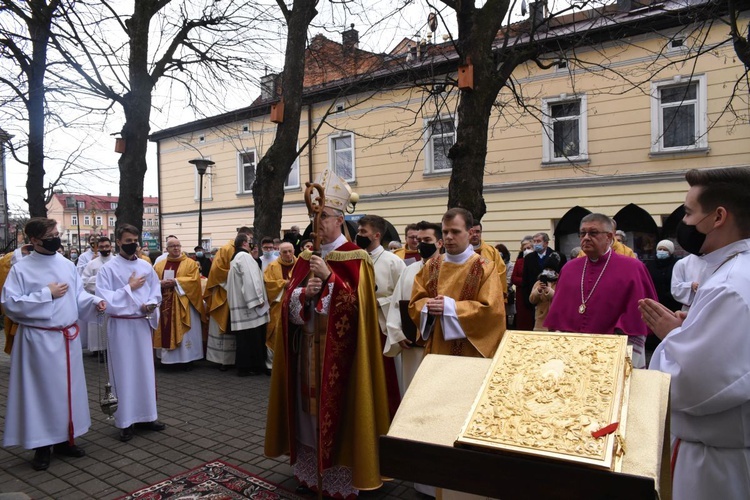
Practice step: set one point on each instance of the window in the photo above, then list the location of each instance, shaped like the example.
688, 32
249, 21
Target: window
111, 221
98, 220
86, 220
440, 135
207, 183
565, 129
245, 172
678, 115
81, 204
113, 205
73, 220
292, 180
341, 155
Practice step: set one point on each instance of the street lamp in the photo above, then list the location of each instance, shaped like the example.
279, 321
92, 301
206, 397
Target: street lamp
201, 165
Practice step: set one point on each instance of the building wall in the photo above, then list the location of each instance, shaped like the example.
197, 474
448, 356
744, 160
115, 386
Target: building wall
523, 194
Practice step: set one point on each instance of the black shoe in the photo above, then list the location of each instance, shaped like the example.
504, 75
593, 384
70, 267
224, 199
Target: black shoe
67, 450
303, 490
41, 458
223, 368
267, 372
126, 434
151, 426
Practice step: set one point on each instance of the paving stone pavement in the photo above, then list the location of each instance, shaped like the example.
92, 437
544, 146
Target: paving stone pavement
209, 415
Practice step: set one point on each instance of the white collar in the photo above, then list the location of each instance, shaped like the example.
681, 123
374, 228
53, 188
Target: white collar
718, 257
327, 247
378, 250
462, 257
600, 257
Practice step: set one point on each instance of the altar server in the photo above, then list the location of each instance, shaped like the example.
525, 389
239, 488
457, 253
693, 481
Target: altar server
47, 398
132, 290
707, 351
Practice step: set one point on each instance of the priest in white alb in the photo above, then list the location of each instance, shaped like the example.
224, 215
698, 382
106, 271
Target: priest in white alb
47, 397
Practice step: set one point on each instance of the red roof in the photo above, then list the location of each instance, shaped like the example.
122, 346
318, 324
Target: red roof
100, 202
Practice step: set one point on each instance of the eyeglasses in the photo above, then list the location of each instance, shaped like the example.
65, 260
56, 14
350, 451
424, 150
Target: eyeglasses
174, 246
324, 215
593, 234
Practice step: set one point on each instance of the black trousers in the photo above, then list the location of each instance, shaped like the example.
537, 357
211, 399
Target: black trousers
251, 349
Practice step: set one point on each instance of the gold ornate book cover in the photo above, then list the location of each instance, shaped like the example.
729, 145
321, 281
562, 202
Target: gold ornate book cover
550, 394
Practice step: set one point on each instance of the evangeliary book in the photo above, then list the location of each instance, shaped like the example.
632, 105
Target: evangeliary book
559, 396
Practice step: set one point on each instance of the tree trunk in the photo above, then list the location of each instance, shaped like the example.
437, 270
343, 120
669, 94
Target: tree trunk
137, 107
39, 32
274, 167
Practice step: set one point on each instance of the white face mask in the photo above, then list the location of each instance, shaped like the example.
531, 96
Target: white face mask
527, 251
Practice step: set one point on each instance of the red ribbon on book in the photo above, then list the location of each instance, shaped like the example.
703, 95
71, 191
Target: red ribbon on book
605, 430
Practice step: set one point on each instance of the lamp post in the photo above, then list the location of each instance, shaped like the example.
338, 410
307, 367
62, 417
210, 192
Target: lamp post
201, 164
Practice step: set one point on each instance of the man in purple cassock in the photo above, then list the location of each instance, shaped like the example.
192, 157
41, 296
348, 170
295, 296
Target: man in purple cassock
600, 293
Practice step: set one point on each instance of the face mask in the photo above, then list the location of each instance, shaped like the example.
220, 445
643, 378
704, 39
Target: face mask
527, 252
690, 238
268, 254
104, 253
51, 244
662, 254
426, 250
549, 273
199, 254
129, 248
538, 247
276, 253
74, 256
363, 242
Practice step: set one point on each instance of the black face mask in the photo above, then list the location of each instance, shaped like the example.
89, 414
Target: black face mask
363, 242
129, 248
51, 244
104, 253
690, 238
426, 250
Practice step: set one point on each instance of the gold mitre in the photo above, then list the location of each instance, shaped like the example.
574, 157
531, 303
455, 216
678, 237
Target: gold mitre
337, 190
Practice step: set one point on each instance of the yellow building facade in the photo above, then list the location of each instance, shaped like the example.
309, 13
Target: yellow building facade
613, 126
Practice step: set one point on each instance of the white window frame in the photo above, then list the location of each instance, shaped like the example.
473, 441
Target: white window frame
86, 220
98, 220
332, 153
295, 166
208, 183
241, 170
701, 114
111, 222
548, 142
113, 205
73, 220
429, 156
81, 204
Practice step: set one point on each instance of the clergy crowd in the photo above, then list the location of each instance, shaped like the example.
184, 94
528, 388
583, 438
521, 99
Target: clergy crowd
341, 323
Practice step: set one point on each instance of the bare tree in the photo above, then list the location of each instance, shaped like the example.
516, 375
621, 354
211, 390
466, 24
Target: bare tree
27, 47
195, 45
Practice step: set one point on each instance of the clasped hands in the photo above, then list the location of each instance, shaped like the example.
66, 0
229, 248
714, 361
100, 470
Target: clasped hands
659, 318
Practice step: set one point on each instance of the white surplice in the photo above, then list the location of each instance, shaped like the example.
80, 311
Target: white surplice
685, 272
37, 409
412, 357
388, 268
83, 260
708, 358
90, 330
130, 337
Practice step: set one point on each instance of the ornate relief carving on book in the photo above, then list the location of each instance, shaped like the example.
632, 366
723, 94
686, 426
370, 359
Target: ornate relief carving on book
559, 396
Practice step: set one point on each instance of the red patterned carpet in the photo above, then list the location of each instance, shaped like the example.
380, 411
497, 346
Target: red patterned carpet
215, 480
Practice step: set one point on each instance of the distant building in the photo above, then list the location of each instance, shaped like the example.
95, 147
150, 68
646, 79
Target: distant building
81, 215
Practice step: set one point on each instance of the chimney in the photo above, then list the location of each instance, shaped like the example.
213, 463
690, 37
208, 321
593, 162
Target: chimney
350, 39
538, 13
269, 86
